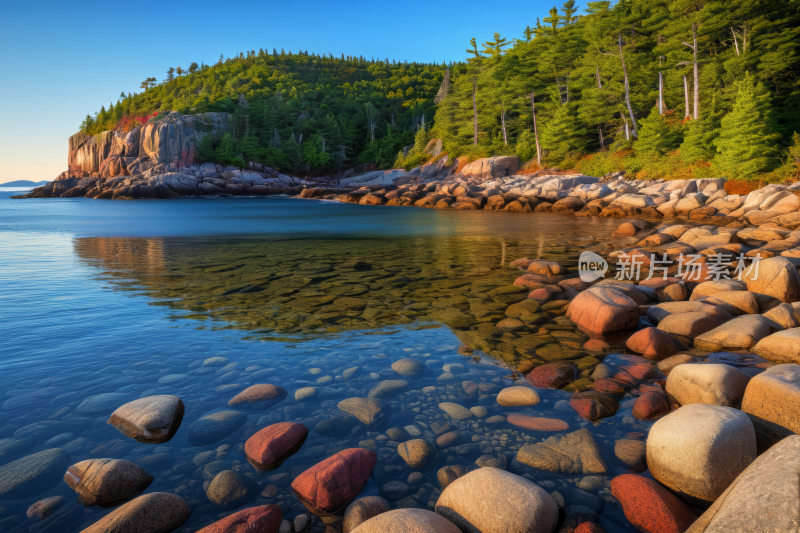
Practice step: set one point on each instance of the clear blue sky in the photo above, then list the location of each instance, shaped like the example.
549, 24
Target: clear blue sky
61, 60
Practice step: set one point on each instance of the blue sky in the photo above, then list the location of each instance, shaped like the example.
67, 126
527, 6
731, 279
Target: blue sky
61, 60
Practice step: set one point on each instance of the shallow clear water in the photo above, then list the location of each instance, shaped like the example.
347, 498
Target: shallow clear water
130, 299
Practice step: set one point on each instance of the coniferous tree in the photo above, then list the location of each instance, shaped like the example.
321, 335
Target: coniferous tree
747, 144
658, 134
700, 136
563, 134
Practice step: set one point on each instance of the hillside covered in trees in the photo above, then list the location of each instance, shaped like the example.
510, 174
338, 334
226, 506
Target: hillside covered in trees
659, 88
292, 111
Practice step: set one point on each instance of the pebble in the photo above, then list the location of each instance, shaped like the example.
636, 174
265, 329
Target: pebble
214, 427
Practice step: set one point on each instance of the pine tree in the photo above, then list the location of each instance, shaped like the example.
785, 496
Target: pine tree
420, 141
698, 141
658, 134
564, 134
747, 144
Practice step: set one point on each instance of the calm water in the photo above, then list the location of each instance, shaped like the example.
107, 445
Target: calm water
112, 301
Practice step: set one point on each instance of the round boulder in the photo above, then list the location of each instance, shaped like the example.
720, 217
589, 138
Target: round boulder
699, 449
407, 521
410, 368
230, 490
362, 510
153, 419
156, 512
417, 453
106, 482
518, 397
494, 501
711, 384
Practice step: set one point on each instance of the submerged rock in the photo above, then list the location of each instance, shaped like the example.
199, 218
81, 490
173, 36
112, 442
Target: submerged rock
230, 490
271, 446
407, 521
154, 419
369, 411
258, 397
32, 475
214, 427
362, 510
106, 482
264, 518
649, 506
573, 453
156, 512
327, 487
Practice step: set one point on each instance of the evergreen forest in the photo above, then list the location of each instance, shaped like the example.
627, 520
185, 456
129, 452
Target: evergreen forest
658, 88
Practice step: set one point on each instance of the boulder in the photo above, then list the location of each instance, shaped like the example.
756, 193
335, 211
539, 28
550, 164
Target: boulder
651, 404
271, 446
657, 313
631, 454
156, 512
652, 343
448, 474
714, 287
407, 521
687, 326
735, 302
417, 453
258, 397
593, 405
410, 368
517, 397
388, 388
455, 411
764, 497
699, 449
152, 420
369, 411
492, 500
327, 487
264, 518
552, 375
33, 474
709, 384
573, 453
780, 347
362, 510
491, 167
772, 400
601, 310
649, 506
776, 277
743, 332
783, 315
229, 489
106, 482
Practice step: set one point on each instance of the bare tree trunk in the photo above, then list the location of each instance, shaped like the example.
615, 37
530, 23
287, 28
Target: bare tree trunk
474, 114
600, 133
686, 96
696, 75
627, 129
536, 133
660, 93
597, 75
503, 121
735, 41
627, 89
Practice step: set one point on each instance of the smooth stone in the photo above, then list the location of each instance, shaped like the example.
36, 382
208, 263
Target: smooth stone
305, 394
271, 446
230, 490
667, 365
651, 404
214, 427
448, 474
479, 411
776, 277
764, 497
518, 397
258, 397
536, 423
336, 426
44, 508
173, 379
631, 454
216, 361
153, 419
743, 332
783, 315
362, 510
491, 500
711, 384
31, 475
13, 446
388, 388
491, 461
394, 490
156, 512
410, 368
417, 453
573, 453
699, 449
455, 411
106, 482
407, 521
772, 401
601, 310
593, 405
649, 506
448, 439
652, 343
780, 347
688, 326
553, 375
369, 411
327, 487
264, 518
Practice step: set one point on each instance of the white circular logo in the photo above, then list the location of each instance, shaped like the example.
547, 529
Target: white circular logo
591, 267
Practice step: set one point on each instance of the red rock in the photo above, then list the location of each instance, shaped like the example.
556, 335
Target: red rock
602, 310
535, 423
270, 447
593, 405
262, 519
626, 229
595, 345
589, 527
651, 404
551, 375
652, 343
531, 281
574, 283
649, 506
261, 396
609, 386
643, 371
545, 294
327, 487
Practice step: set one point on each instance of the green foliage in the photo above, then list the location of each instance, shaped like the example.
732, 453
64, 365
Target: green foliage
526, 146
747, 144
698, 142
658, 134
563, 135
